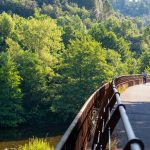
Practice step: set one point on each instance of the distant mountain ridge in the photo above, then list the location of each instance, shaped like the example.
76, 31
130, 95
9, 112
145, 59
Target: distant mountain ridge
27, 8
133, 8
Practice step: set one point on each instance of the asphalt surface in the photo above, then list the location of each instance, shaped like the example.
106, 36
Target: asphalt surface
137, 101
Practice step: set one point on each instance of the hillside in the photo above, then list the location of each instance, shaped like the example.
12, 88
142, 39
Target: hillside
54, 8
133, 8
54, 54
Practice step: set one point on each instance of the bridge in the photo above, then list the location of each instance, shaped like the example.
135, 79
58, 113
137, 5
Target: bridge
98, 118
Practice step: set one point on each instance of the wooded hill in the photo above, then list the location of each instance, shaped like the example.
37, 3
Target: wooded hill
54, 54
134, 8
54, 8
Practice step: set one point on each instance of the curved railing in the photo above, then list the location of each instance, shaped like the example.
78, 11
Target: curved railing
94, 124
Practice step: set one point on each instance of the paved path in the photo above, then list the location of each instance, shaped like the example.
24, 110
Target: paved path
137, 101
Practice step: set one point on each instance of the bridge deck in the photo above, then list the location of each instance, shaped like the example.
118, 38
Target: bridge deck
137, 101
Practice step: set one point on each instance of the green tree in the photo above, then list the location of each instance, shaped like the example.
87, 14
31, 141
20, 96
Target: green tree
37, 35
6, 27
73, 27
114, 61
110, 40
132, 8
11, 113
83, 69
146, 38
23, 8
37, 96
148, 70
145, 61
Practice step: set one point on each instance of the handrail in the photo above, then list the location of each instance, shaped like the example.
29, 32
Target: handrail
96, 121
83, 114
73, 124
128, 128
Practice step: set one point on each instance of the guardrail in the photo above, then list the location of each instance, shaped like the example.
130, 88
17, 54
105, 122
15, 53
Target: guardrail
94, 124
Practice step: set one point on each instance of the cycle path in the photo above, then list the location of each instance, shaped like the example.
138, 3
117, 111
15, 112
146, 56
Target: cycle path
137, 101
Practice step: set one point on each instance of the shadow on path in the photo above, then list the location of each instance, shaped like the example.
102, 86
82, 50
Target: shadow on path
139, 116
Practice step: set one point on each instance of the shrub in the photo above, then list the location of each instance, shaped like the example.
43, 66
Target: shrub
36, 144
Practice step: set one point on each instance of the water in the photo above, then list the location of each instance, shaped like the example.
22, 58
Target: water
13, 138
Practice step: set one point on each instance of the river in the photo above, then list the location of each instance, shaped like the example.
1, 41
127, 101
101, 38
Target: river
13, 138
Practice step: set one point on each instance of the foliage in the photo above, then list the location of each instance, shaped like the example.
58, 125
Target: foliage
145, 61
53, 60
6, 27
73, 27
35, 37
36, 144
114, 144
113, 59
132, 8
53, 8
34, 85
21, 7
110, 40
11, 95
82, 70
148, 70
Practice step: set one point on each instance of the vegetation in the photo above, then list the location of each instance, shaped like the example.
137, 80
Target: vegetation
54, 54
114, 143
133, 8
37, 144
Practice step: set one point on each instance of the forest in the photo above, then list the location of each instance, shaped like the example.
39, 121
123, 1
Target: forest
133, 8
55, 53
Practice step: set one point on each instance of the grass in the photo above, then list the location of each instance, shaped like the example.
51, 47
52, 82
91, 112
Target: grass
114, 143
36, 144
42, 144
122, 88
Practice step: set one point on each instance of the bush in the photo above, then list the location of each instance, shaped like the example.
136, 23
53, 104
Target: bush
36, 144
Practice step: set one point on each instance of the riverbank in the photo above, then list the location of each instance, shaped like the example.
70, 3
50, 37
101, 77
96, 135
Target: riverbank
16, 143
13, 138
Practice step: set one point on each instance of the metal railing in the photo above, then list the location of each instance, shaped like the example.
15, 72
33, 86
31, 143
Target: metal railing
133, 142
94, 124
